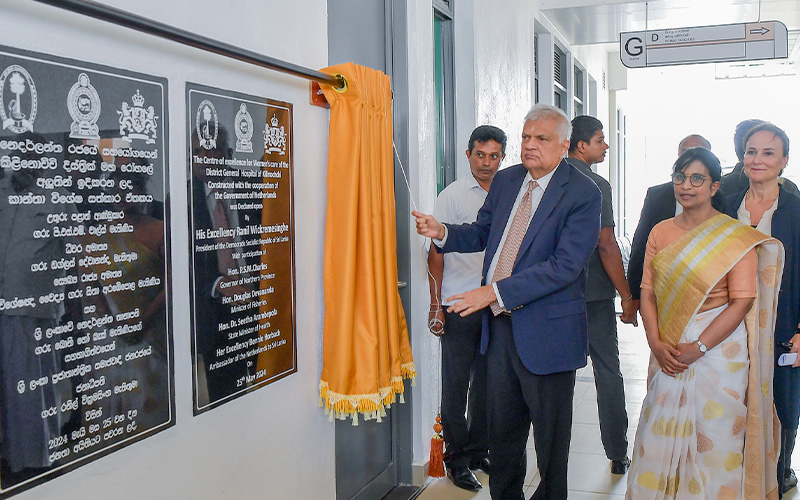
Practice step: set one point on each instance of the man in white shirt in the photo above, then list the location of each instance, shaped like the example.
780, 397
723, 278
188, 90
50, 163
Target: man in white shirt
463, 366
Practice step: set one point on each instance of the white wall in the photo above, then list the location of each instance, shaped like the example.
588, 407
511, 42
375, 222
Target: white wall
504, 67
594, 59
665, 104
464, 65
422, 173
274, 442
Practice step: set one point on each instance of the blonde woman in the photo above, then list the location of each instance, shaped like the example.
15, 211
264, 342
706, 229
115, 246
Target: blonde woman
772, 209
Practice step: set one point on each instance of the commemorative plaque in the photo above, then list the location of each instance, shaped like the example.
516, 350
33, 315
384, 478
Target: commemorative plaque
85, 343
242, 242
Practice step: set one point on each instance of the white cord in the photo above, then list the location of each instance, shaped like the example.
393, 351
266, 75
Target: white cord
402, 169
435, 325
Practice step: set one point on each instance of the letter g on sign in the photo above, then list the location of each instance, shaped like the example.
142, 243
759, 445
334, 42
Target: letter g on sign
634, 46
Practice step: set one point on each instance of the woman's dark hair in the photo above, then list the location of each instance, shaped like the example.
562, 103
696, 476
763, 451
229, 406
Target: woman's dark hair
711, 162
768, 127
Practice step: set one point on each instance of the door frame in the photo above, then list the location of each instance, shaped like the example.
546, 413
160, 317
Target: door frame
399, 470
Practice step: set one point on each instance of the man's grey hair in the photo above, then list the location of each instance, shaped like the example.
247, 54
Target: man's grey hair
545, 111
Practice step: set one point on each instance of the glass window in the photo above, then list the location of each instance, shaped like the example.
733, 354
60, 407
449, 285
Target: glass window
579, 94
444, 98
559, 78
536, 67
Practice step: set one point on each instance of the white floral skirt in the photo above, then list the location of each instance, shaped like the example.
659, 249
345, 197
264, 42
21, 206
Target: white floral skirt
690, 439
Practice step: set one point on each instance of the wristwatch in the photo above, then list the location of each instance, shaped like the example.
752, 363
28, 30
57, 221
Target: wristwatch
702, 346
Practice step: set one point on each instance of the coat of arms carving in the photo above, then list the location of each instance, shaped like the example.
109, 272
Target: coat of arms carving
137, 122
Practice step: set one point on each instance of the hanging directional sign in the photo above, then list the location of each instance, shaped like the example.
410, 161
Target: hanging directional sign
704, 44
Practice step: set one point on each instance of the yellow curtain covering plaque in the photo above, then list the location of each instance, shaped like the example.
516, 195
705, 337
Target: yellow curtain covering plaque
366, 351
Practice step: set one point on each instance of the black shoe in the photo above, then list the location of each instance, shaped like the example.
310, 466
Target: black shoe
789, 481
483, 464
620, 466
464, 478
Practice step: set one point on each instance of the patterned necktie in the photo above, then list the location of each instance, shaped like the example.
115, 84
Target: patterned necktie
508, 255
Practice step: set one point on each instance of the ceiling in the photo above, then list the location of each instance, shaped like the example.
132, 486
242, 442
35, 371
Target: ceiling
586, 22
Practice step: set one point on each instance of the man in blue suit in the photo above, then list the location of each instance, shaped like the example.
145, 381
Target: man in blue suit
539, 226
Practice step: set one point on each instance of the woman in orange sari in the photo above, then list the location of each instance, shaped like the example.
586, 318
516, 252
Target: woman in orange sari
709, 291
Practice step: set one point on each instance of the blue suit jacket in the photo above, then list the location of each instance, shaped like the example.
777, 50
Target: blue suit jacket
545, 292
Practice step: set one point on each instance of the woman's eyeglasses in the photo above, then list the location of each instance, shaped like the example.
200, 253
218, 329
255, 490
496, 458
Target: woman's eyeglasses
695, 180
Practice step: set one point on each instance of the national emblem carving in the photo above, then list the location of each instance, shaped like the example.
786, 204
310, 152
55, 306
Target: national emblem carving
243, 126
83, 104
18, 99
207, 124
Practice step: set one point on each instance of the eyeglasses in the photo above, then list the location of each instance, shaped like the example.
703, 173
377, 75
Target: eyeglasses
695, 180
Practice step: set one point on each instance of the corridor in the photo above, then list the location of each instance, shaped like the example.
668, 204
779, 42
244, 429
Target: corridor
589, 474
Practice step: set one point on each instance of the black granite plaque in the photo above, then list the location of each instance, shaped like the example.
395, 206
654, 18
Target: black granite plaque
242, 242
85, 343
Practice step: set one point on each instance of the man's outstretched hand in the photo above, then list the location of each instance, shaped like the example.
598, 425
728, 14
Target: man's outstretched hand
428, 226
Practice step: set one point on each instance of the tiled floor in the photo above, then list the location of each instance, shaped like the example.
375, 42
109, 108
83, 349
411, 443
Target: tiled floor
589, 474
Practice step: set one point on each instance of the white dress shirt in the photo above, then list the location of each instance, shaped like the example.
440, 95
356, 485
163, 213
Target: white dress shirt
459, 203
765, 224
536, 198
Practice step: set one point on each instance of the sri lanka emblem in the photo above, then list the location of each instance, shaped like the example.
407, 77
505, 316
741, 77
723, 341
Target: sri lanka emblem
83, 104
136, 122
274, 137
207, 124
18, 99
243, 126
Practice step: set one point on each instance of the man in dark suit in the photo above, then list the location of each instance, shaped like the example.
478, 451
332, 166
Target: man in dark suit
659, 204
539, 225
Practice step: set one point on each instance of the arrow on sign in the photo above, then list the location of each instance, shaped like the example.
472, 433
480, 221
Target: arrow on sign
762, 31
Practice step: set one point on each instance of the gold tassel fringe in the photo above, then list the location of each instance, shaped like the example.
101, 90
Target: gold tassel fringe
371, 406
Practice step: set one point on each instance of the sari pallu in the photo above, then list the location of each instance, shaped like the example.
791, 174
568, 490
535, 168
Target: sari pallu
711, 432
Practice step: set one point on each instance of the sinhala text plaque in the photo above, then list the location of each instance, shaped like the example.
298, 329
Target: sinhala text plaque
85, 338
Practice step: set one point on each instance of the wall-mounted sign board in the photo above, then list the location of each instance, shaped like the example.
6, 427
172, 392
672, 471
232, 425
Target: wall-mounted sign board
242, 245
704, 44
85, 339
